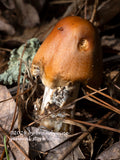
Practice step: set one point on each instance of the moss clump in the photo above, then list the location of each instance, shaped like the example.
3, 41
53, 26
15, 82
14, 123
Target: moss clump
11, 74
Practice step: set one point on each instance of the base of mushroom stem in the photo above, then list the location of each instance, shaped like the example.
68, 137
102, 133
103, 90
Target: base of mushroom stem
56, 123
54, 100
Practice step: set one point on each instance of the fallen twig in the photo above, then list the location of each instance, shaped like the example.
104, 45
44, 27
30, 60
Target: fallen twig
94, 11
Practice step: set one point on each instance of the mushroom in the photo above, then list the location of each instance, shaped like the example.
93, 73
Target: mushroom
69, 56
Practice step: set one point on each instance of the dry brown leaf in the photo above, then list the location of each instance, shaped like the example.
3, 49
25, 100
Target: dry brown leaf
107, 11
28, 16
22, 142
6, 27
111, 41
43, 140
7, 109
112, 152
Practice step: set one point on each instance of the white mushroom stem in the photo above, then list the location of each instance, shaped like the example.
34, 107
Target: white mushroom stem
46, 99
58, 97
54, 99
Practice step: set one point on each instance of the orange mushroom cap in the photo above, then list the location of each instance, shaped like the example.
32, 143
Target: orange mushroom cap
70, 53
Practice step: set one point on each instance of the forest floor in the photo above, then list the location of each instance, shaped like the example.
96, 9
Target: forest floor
97, 135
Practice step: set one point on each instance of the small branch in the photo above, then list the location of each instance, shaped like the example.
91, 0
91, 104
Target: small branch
105, 95
105, 104
94, 11
27, 90
18, 89
78, 122
85, 9
14, 116
5, 49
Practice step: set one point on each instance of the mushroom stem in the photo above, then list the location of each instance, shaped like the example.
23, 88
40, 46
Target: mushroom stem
54, 99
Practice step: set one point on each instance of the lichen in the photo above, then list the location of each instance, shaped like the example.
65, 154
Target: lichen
11, 74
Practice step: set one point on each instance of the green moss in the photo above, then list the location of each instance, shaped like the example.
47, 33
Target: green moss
11, 75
